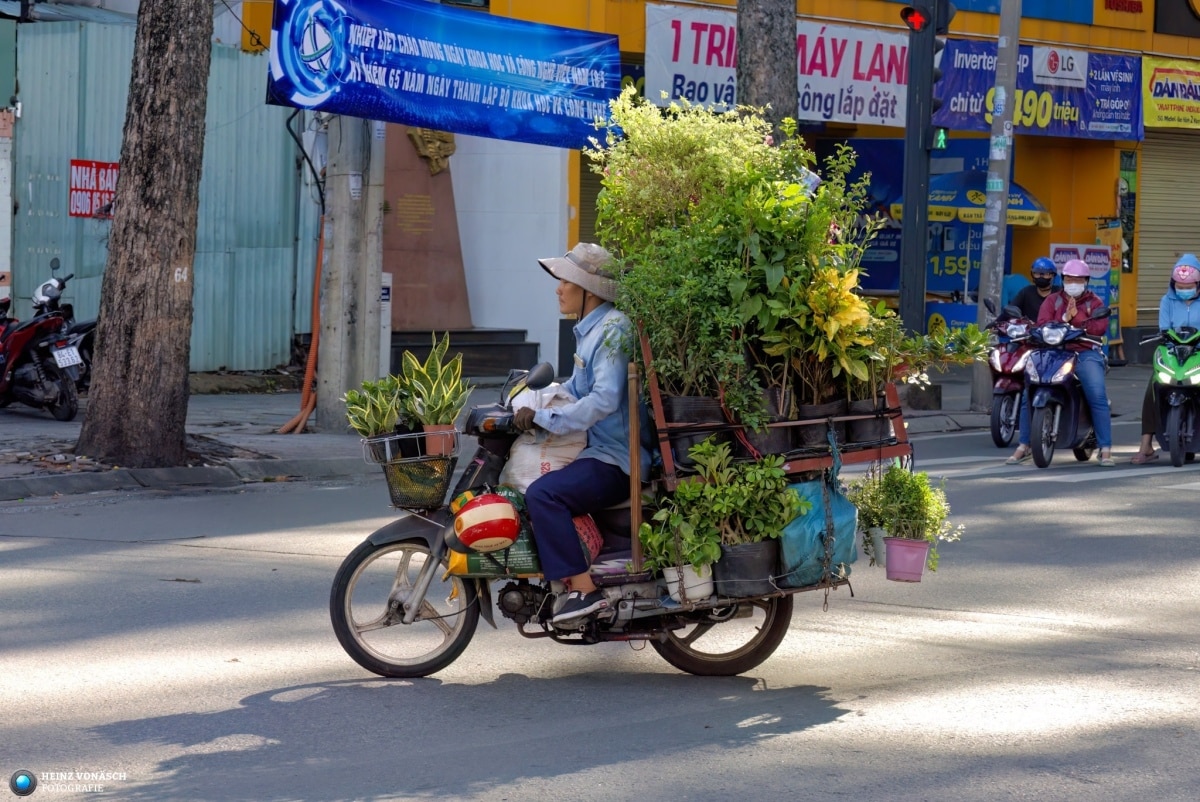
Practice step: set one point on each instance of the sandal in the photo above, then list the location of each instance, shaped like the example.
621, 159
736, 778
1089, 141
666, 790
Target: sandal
1106, 460
1022, 455
1141, 459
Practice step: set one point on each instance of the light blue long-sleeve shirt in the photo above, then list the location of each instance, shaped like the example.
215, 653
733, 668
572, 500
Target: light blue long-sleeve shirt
600, 383
1175, 313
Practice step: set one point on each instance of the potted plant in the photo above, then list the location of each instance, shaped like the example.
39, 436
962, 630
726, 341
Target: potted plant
434, 394
745, 504
376, 411
682, 541
914, 513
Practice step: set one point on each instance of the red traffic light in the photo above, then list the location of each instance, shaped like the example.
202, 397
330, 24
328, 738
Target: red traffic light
917, 19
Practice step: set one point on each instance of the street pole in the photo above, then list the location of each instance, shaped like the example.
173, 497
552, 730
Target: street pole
914, 225
995, 221
348, 351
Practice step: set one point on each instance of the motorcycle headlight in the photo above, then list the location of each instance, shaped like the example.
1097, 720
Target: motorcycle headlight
1164, 377
1022, 361
1017, 330
1196, 379
1062, 373
1053, 336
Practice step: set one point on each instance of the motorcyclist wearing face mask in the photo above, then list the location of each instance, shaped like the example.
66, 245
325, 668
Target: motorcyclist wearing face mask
1074, 305
1029, 300
1177, 309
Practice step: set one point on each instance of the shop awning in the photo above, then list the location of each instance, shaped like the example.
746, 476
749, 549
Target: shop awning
962, 196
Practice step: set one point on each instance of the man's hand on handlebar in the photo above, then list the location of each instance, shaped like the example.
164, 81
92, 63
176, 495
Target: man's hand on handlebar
523, 420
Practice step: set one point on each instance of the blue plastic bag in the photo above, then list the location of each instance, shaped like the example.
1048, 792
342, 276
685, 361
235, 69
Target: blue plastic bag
802, 545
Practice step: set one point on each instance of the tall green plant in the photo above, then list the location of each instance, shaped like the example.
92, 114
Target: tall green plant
435, 393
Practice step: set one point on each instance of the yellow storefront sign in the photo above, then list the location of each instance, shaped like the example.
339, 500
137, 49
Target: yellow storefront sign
1171, 92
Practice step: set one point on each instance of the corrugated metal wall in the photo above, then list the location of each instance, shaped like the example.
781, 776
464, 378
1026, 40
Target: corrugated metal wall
74, 79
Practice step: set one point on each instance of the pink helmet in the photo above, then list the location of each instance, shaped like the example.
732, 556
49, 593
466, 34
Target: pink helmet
1187, 270
1077, 268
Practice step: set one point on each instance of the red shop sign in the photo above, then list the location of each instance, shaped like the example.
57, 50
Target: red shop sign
93, 185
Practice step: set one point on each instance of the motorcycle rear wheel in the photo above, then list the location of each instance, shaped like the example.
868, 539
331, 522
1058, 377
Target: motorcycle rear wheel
366, 608
1044, 435
708, 648
1174, 430
1085, 451
67, 406
1005, 410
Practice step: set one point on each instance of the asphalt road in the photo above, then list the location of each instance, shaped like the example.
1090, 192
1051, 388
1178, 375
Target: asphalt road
177, 647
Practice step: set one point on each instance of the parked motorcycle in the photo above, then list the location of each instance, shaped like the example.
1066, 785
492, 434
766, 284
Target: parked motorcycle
82, 333
406, 602
38, 363
1177, 375
1007, 356
1059, 411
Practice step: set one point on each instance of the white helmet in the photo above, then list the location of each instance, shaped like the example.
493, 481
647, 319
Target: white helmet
46, 291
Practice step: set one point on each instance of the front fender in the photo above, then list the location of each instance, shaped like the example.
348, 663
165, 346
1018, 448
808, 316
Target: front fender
413, 527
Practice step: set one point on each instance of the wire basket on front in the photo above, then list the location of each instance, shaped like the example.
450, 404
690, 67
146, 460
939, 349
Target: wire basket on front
419, 484
417, 478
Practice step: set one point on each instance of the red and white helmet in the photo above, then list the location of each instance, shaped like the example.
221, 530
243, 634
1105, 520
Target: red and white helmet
488, 522
1077, 268
1187, 270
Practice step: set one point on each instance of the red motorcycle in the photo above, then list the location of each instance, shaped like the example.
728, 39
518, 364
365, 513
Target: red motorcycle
38, 363
1007, 356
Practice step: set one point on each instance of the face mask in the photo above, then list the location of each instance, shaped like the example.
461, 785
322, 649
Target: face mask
1042, 283
1074, 290
1186, 295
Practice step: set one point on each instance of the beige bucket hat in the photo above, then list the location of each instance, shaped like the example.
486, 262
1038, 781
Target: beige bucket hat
587, 265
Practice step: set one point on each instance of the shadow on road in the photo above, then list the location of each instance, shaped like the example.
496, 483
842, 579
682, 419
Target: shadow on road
432, 739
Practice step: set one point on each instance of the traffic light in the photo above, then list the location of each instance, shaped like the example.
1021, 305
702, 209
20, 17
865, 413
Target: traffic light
927, 22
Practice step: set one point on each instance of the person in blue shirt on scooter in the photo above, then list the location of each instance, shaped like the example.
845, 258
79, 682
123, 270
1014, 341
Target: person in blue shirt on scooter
1074, 305
1176, 310
599, 476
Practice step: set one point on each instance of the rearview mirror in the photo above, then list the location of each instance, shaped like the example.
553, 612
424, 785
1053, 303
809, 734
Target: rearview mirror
54, 264
988, 305
1101, 313
1013, 311
539, 376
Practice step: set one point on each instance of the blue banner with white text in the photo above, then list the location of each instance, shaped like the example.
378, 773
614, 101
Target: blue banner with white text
1060, 91
434, 66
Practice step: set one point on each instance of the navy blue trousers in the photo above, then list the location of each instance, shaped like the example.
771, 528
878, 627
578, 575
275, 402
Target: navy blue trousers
586, 485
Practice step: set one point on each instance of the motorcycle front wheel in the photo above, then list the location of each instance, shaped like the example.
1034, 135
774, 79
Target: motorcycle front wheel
1174, 429
67, 405
366, 607
1005, 409
728, 641
1044, 434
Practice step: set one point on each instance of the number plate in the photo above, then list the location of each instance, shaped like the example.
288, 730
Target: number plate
66, 357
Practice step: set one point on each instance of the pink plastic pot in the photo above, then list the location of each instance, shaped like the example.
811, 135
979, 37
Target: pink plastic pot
905, 558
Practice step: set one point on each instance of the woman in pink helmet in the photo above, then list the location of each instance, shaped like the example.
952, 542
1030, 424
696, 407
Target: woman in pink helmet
1074, 304
1176, 310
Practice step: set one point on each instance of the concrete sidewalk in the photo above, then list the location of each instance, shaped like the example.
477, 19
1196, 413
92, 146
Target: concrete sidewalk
235, 437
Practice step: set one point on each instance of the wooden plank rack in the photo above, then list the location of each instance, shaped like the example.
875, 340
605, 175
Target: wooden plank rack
799, 461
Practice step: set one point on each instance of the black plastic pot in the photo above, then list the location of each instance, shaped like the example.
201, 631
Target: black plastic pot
813, 435
868, 431
747, 570
699, 410
779, 440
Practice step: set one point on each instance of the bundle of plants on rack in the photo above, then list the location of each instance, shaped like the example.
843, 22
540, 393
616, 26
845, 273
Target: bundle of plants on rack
739, 263
729, 512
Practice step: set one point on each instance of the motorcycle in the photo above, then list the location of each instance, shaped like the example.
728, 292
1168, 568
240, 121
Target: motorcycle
406, 602
38, 362
1059, 410
82, 333
1177, 376
1007, 356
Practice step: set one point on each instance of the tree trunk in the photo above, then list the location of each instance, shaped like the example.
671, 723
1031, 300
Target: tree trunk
766, 68
137, 404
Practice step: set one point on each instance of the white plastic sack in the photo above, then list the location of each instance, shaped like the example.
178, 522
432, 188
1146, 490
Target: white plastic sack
537, 451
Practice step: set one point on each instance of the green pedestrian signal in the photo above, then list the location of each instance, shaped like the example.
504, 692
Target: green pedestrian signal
941, 138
